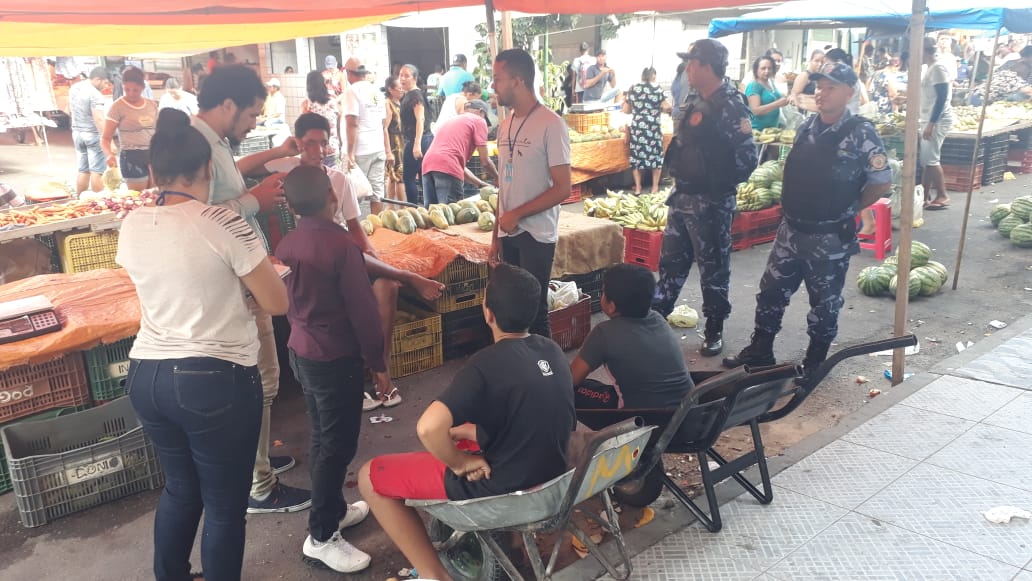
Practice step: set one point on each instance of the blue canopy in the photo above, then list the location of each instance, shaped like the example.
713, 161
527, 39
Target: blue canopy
1013, 15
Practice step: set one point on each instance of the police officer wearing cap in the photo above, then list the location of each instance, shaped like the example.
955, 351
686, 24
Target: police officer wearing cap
711, 153
836, 168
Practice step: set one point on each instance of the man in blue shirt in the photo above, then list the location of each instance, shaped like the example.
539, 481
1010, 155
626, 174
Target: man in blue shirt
452, 81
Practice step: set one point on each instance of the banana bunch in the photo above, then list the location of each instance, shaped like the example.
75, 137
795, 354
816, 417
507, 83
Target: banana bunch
647, 212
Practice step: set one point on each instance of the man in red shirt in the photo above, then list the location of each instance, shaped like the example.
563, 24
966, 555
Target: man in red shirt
444, 165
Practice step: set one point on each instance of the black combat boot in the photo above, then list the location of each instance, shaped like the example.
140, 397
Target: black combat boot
816, 353
713, 343
758, 353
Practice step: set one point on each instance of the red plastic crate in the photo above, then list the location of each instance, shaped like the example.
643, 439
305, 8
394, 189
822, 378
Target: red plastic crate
570, 326
575, 195
959, 177
30, 389
1019, 160
643, 248
751, 228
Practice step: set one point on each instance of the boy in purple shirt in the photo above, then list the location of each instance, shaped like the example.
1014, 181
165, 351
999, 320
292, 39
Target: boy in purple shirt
335, 332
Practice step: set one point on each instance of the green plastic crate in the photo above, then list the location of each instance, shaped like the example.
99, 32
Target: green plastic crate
108, 367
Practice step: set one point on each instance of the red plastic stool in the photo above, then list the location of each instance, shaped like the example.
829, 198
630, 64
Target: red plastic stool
881, 241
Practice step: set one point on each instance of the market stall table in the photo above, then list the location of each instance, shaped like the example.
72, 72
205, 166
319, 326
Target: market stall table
99, 306
593, 159
585, 244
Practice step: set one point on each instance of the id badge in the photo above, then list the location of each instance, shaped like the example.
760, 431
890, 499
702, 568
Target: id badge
508, 172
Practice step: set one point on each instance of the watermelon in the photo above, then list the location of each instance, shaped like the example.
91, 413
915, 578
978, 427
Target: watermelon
874, 280
764, 196
999, 213
940, 268
929, 278
1021, 236
1022, 207
920, 254
891, 261
913, 285
1009, 223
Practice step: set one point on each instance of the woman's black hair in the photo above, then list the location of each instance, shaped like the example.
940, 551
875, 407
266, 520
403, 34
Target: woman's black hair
316, 86
773, 51
132, 74
840, 56
472, 87
238, 83
647, 73
177, 150
760, 59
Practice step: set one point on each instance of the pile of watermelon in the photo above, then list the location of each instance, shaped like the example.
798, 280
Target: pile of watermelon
1012, 221
925, 278
763, 189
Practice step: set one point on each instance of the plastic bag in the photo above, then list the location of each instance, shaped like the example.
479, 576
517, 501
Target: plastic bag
683, 316
1003, 514
790, 118
359, 183
562, 295
897, 202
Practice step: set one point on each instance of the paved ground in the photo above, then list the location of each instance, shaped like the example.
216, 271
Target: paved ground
899, 496
114, 541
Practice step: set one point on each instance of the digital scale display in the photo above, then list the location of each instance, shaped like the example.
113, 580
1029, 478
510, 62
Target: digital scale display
28, 317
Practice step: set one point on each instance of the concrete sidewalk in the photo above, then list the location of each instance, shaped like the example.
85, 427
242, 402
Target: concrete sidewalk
896, 491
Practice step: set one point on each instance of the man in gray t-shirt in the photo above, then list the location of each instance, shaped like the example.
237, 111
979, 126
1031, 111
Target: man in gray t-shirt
534, 162
636, 346
86, 110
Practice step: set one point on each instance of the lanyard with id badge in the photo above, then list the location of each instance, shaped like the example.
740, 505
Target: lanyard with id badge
507, 174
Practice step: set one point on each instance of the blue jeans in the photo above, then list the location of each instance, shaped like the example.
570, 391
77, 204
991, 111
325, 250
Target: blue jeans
203, 415
333, 397
441, 188
412, 168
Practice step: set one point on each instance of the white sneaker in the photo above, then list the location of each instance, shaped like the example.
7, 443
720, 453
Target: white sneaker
355, 514
335, 554
370, 403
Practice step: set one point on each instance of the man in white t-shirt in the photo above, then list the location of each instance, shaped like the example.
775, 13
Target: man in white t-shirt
945, 54
580, 69
534, 153
365, 114
936, 121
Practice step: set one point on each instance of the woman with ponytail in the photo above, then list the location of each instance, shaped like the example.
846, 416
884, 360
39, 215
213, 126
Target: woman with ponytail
193, 377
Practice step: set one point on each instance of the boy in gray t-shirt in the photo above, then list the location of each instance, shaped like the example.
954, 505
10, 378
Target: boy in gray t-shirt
636, 345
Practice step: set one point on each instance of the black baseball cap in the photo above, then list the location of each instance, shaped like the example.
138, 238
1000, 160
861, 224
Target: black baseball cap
837, 73
707, 51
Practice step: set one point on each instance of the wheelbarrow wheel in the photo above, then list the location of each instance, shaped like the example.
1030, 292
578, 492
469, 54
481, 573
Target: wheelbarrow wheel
651, 487
468, 560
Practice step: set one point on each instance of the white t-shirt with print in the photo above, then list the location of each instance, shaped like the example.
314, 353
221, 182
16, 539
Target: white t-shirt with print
539, 142
347, 203
366, 102
186, 261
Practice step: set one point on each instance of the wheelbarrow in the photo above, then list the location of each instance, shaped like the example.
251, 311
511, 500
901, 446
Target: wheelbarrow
466, 532
720, 401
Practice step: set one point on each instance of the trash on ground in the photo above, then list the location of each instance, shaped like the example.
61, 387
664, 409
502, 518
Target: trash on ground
1004, 514
912, 350
1008, 176
906, 376
997, 324
380, 419
277, 443
861, 379
961, 346
683, 316
712, 465
994, 201
647, 514
874, 393
932, 340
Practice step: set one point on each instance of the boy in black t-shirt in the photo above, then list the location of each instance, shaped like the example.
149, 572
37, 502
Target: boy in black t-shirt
636, 345
514, 399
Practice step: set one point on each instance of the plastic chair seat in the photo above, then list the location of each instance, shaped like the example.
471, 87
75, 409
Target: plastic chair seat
881, 240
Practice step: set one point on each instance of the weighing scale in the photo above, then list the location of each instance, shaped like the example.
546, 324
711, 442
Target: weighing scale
28, 317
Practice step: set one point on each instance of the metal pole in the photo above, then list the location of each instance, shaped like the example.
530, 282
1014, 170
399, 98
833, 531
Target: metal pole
906, 219
974, 163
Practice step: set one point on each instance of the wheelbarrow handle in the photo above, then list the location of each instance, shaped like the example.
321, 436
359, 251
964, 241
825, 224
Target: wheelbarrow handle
400, 203
811, 380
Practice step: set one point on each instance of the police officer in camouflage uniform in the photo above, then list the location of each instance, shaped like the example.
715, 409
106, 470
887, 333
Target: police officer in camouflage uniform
712, 152
836, 168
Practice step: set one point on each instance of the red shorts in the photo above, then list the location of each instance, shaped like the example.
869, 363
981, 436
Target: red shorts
414, 475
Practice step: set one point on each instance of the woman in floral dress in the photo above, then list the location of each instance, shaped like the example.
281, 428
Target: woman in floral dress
646, 102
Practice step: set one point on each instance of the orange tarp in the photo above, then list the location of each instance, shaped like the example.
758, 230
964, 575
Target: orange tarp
426, 252
593, 159
99, 306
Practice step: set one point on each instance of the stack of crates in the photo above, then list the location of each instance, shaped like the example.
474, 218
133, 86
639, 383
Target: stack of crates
31, 392
591, 285
416, 341
83, 251
462, 320
956, 163
643, 248
751, 228
67, 464
1019, 153
995, 158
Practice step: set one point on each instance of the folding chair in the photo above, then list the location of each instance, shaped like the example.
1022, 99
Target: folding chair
608, 456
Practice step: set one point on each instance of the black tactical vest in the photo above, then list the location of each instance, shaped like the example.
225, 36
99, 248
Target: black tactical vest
819, 184
701, 158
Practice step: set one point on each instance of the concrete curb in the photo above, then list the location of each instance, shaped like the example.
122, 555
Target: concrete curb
668, 522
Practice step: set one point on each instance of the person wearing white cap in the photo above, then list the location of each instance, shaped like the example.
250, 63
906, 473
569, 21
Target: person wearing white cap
275, 110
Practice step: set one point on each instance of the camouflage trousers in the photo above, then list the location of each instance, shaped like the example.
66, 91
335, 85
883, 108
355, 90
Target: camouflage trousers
698, 230
824, 281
